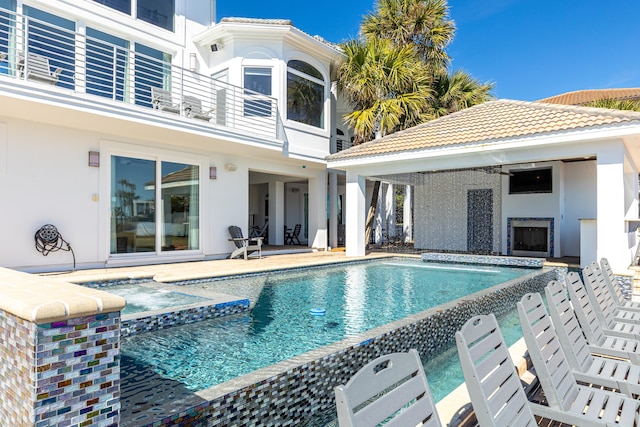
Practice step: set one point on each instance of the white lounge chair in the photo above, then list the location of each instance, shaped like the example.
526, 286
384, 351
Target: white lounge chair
623, 337
494, 387
244, 245
605, 307
37, 68
616, 291
391, 388
587, 369
193, 108
161, 100
590, 406
571, 333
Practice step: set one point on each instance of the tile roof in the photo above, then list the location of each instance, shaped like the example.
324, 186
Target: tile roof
490, 122
257, 21
282, 22
580, 97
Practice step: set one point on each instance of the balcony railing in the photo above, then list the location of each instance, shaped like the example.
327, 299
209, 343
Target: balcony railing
106, 68
343, 143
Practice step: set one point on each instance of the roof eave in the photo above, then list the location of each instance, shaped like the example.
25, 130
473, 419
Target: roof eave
565, 137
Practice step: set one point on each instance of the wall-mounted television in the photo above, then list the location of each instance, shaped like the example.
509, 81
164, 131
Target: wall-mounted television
527, 181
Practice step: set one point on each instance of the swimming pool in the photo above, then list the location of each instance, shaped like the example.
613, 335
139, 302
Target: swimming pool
355, 298
299, 390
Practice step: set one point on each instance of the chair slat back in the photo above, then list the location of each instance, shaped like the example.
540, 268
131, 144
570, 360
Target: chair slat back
39, 64
567, 327
584, 310
162, 96
611, 281
600, 296
236, 233
553, 370
393, 385
496, 393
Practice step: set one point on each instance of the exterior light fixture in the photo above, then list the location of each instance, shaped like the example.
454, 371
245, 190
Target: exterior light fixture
214, 47
94, 159
193, 62
213, 172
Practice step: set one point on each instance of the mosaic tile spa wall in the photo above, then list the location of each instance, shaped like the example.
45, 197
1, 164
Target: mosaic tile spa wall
74, 365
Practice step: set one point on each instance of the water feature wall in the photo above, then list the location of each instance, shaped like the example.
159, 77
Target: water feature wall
299, 391
59, 353
445, 210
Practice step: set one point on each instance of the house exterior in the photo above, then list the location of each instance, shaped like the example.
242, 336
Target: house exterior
143, 129
511, 178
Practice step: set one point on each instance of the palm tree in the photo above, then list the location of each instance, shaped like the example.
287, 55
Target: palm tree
457, 91
423, 24
616, 104
387, 85
397, 76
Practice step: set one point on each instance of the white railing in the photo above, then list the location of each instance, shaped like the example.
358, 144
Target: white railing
342, 143
41, 52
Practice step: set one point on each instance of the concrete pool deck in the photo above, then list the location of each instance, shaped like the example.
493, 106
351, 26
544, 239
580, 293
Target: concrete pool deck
217, 268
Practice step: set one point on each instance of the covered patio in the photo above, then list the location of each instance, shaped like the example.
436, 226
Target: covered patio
483, 175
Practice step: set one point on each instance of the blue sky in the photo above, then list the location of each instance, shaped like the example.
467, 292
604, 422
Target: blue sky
530, 49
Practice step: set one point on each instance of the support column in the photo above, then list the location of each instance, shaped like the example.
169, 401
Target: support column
333, 209
378, 223
612, 239
355, 214
276, 212
407, 217
318, 211
390, 213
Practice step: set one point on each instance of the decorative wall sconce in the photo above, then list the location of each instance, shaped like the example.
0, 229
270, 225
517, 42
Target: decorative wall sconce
230, 167
213, 172
94, 159
216, 46
193, 62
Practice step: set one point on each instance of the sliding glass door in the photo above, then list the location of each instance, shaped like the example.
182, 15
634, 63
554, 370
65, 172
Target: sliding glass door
155, 205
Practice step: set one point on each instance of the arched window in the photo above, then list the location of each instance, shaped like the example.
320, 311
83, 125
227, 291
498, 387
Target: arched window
305, 94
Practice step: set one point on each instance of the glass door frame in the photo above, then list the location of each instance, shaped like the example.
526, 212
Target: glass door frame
108, 150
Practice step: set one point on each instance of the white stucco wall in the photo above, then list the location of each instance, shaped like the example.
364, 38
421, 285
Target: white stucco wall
617, 200
580, 203
48, 180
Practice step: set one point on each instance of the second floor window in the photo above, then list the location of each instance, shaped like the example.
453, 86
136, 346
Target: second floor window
156, 12
305, 94
258, 81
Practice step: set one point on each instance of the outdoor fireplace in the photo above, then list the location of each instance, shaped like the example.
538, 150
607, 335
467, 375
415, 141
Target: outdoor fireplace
531, 237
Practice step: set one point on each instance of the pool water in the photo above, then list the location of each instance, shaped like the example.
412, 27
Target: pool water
355, 297
444, 371
140, 298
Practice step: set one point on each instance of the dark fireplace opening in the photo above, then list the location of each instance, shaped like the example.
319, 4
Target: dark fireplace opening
532, 239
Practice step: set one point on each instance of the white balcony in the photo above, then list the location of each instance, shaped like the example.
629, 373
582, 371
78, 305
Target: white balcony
80, 67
